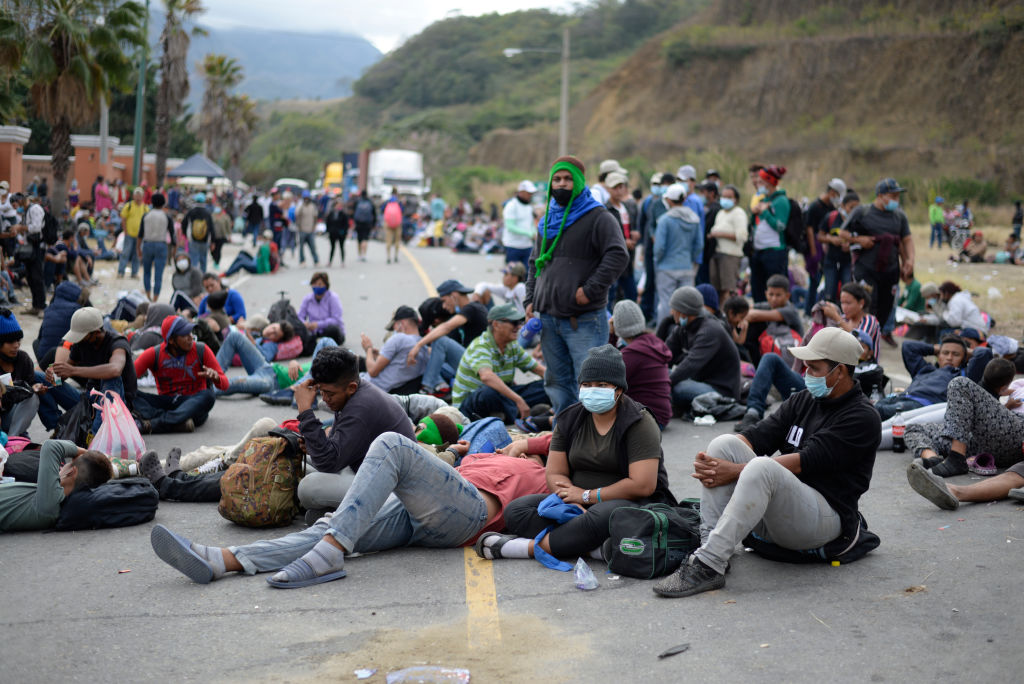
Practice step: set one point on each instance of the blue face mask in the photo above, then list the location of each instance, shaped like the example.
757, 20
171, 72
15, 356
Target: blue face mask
818, 387
931, 301
892, 205
658, 190
727, 203
597, 399
703, 199
683, 320
319, 291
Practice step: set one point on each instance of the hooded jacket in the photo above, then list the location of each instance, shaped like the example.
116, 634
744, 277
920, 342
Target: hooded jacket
57, 318
678, 240
704, 351
647, 358
150, 335
189, 281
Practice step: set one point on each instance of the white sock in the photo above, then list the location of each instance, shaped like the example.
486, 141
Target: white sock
213, 556
513, 548
325, 558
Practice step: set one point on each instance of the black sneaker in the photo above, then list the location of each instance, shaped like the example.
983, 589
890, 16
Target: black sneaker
955, 464
749, 420
692, 577
280, 397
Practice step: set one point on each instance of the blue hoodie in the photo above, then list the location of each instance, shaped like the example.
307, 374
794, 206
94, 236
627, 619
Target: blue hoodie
678, 240
57, 318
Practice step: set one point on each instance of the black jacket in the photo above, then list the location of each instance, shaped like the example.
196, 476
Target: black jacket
836, 439
704, 351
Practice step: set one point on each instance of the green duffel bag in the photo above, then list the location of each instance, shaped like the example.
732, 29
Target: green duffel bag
650, 541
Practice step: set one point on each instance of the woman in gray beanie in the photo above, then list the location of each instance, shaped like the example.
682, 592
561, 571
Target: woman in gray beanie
605, 453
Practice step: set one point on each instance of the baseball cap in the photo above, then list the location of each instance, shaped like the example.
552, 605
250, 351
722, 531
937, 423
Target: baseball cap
887, 185
527, 186
656, 179
686, 172
452, 285
970, 334
712, 172
615, 178
83, 322
516, 268
677, 192
610, 165
838, 185
505, 312
305, 194
939, 200
174, 326
5, 185
199, 197
402, 313
830, 344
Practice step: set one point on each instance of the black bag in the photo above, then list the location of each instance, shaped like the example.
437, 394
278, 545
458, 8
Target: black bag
117, 503
51, 229
650, 541
76, 424
844, 548
127, 307
796, 229
282, 310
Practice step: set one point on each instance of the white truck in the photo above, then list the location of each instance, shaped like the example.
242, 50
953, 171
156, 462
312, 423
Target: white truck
386, 169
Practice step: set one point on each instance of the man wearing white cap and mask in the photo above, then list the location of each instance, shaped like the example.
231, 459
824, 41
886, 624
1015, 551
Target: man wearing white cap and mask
601, 191
519, 225
802, 503
687, 175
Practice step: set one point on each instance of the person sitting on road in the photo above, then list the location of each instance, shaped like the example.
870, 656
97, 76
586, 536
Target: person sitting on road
20, 394
852, 314
186, 284
960, 310
67, 298
262, 376
448, 341
216, 317
362, 412
929, 382
266, 260
484, 380
802, 499
387, 368
320, 310
605, 454
974, 249
511, 289
774, 325
646, 358
235, 306
183, 372
26, 506
705, 358
392, 502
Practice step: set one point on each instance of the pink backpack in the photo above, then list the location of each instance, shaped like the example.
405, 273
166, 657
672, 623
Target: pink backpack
392, 215
289, 350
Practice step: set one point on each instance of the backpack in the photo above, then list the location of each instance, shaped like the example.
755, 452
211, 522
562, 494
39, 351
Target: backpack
843, 549
51, 229
127, 307
777, 338
260, 489
76, 423
796, 228
650, 541
282, 310
199, 229
392, 215
117, 503
363, 212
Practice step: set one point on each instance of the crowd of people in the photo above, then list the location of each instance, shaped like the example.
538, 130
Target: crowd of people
519, 416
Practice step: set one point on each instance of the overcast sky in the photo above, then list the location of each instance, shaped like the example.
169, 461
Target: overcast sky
385, 23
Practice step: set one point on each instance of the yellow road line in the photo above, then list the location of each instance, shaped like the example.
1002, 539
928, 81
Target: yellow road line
483, 628
431, 290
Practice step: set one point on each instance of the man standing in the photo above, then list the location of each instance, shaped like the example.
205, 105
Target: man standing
653, 207
305, 219
601, 190
688, 176
131, 215
803, 499
578, 254
35, 217
517, 216
882, 233
937, 220
484, 380
254, 218
827, 202
625, 212
197, 226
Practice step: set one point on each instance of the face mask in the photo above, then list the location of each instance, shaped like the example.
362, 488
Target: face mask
182, 264
818, 387
683, 320
763, 189
658, 190
931, 301
703, 199
727, 203
562, 196
597, 399
892, 205
319, 291
843, 212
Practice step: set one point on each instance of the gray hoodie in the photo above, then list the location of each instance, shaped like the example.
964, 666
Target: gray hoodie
678, 240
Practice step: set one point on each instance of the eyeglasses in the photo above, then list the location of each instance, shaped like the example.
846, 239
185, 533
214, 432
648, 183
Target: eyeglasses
514, 324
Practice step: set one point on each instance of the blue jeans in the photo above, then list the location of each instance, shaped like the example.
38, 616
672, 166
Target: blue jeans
63, 396
128, 253
813, 280
197, 252
167, 411
936, 236
253, 228
772, 370
522, 255
445, 354
764, 264
889, 406
261, 377
432, 505
565, 350
684, 391
483, 401
310, 240
154, 258
837, 274
243, 261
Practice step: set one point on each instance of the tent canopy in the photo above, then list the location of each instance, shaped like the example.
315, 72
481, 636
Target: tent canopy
197, 165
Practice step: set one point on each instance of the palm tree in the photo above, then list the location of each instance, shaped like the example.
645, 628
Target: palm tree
75, 52
221, 73
174, 41
241, 126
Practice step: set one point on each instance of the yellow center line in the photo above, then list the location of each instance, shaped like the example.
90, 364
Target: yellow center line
483, 627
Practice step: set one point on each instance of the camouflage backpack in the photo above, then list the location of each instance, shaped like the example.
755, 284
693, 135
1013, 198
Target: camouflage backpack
260, 488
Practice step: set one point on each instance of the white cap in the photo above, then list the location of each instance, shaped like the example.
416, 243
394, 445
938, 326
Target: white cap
610, 165
838, 185
5, 185
686, 172
615, 178
527, 186
830, 344
677, 192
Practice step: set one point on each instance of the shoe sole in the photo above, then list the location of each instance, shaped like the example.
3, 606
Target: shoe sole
175, 551
1016, 494
329, 577
931, 487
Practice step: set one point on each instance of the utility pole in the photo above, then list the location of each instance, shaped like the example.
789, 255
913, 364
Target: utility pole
563, 119
140, 98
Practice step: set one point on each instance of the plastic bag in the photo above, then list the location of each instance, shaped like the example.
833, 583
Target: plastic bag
118, 435
585, 579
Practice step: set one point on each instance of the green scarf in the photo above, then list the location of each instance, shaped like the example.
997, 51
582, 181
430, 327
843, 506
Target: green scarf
579, 184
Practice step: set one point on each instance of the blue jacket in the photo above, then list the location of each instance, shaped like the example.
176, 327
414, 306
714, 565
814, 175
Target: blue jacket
929, 381
678, 240
234, 307
57, 318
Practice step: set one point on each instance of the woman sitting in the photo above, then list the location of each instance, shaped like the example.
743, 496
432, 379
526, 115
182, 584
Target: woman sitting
854, 300
321, 310
605, 453
19, 396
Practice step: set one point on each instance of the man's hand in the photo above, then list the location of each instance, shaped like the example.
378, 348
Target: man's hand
529, 311
61, 368
365, 341
1012, 403
40, 388
866, 241
516, 449
461, 447
581, 298
241, 322
49, 375
714, 472
524, 408
294, 370
410, 360
305, 395
211, 374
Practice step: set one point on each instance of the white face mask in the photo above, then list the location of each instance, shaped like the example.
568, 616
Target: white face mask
182, 264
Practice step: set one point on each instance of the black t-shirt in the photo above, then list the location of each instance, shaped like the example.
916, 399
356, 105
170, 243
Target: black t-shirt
887, 227
831, 224
476, 323
87, 355
817, 211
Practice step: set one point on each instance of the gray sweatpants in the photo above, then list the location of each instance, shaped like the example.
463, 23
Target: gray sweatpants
767, 499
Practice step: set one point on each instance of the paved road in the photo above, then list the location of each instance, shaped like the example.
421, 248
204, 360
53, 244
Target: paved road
933, 600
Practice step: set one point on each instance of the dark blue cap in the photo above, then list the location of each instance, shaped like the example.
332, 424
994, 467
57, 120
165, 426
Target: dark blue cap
887, 185
452, 285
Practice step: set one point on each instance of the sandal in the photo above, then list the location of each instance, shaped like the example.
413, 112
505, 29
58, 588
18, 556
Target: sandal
982, 464
494, 548
301, 574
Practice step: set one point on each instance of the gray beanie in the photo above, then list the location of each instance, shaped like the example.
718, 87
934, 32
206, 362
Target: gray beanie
687, 301
628, 318
604, 364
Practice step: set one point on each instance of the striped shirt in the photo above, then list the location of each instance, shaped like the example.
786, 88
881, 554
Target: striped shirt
483, 352
869, 324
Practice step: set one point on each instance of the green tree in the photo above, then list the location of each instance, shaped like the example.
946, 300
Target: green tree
174, 43
221, 73
241, 126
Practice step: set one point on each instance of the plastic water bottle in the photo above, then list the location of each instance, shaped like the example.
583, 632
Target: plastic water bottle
899, 428
528, 335
876, 396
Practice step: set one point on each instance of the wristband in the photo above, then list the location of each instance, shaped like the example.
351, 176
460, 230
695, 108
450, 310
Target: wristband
598, 495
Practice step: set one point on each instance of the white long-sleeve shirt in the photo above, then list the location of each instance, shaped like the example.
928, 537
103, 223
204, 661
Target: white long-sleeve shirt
961, 312
34, 218
519, 229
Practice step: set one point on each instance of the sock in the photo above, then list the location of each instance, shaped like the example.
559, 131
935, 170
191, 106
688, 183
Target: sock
213, 556
596, 554
325, 558
513, 548
173, 461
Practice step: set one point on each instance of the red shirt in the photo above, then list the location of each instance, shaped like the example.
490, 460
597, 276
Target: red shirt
180, 374
505, 477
